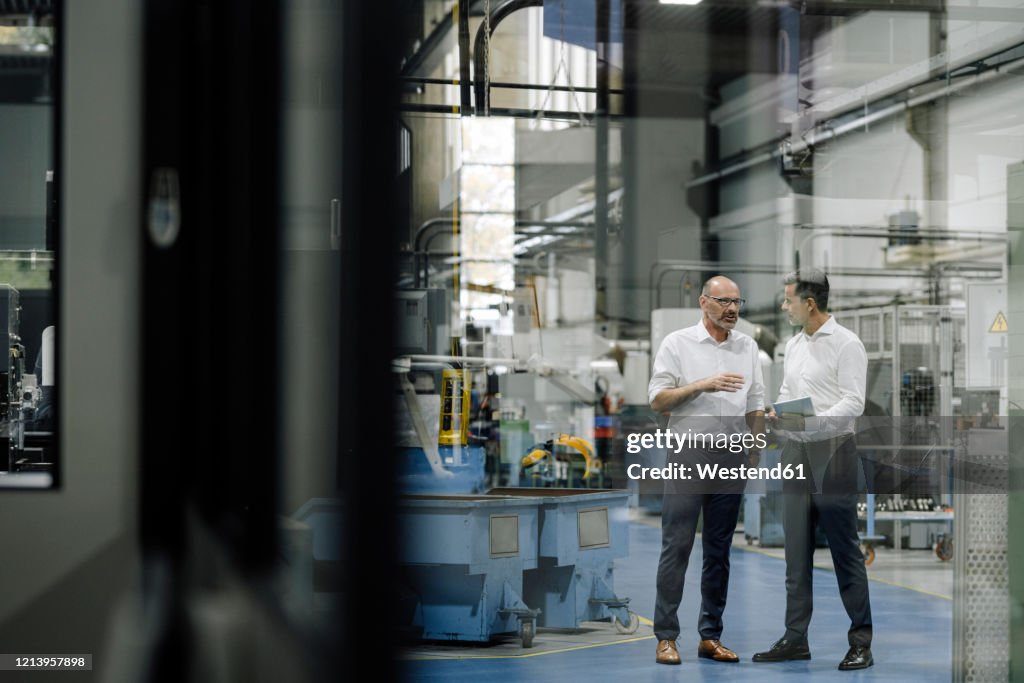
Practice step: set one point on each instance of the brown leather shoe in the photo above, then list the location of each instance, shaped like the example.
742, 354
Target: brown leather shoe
667, 652
713, 649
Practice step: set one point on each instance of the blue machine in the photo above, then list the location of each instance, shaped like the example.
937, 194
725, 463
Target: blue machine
582, 531
463, 558
415, 475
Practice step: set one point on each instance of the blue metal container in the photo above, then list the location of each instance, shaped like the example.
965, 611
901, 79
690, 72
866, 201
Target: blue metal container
468, 476
582, 532
463, 558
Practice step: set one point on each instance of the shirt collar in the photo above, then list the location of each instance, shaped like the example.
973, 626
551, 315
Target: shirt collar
828, 327
704, 336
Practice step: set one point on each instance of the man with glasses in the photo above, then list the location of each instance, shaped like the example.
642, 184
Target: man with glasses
708, 378
827, 363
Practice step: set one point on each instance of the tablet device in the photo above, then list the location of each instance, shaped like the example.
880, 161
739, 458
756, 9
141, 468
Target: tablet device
796, 406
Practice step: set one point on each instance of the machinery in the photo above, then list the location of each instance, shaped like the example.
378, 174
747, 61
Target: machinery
582, 532
24, 449
454, 409
914, 379
432, 414
464, 559
10, 374
421, 321
436, 456
544, 456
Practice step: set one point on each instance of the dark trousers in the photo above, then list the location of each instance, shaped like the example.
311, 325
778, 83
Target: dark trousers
679, 515
834, 508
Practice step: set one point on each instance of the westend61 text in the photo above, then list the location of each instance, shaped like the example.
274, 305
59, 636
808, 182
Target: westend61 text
666, 438
709, 471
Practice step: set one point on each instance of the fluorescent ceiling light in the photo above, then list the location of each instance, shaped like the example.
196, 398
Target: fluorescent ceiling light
679, 2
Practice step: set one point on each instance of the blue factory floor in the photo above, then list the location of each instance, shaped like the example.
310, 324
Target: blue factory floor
913, 631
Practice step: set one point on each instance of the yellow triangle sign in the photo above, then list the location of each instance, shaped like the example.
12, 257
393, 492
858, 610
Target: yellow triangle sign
999, 324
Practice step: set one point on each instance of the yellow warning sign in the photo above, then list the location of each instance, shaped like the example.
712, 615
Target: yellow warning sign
999, 324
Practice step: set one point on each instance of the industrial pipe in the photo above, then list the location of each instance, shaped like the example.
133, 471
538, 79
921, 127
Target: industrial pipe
417, 251
842, 272
929, 235
502, 85
717, 266
426, 252
466, 360
812, 138
480, 71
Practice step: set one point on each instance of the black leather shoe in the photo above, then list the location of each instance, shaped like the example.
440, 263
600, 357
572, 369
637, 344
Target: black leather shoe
859, 657
784, 651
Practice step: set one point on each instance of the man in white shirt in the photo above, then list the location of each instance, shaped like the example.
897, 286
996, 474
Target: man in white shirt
708, 378
827, 363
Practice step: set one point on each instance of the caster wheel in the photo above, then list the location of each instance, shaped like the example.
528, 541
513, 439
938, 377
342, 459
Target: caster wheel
626, 629
526, 630
869, 554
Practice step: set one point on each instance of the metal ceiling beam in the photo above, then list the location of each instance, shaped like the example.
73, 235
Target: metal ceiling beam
516, 113
426, 57
852, 120
844, 8
428, 48
514, 86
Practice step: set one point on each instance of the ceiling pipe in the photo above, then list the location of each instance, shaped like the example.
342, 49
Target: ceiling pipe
481, 77
418, 250
813, 137
464, 77
502, 85
422, 254
668, 266
927, 235
934, 271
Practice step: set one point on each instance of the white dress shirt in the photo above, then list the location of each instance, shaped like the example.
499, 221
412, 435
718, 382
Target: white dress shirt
691, 354
831, 367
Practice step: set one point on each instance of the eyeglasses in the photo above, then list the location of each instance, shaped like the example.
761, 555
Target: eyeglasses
724, 303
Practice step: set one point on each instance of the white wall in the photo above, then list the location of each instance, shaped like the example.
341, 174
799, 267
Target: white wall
864, 178
986, 134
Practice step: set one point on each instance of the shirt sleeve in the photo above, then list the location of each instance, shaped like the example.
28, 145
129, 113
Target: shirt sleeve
853, 379
755, 395
666, 371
